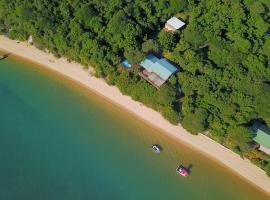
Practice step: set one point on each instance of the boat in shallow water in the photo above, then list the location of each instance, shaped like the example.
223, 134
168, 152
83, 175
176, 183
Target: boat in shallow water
182, 171
156, 148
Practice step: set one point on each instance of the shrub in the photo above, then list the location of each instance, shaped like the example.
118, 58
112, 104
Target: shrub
195, 122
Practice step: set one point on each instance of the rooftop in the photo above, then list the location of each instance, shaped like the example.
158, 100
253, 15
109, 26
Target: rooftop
175, 23
161, 67
262, 135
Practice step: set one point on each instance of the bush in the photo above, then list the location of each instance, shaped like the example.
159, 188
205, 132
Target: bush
171, 115
195, 122
267, 169
150, 46
241, 136
17, 34
167, 40
134, 56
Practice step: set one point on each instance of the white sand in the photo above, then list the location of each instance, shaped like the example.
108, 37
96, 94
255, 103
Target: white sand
205, 145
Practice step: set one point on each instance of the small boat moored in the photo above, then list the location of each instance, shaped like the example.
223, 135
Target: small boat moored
182, 171
156, 148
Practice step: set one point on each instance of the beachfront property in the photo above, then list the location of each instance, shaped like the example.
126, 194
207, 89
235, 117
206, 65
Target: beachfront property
174, 24
262, 137
156, 71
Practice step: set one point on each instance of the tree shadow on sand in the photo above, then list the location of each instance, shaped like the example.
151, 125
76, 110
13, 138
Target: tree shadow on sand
5, 56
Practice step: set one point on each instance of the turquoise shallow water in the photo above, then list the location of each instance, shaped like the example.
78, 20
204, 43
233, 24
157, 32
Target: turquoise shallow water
60, 142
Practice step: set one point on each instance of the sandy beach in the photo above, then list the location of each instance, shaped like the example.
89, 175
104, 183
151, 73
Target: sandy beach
201, 143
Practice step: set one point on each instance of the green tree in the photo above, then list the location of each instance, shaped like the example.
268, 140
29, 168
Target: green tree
267, 169
88, 16
123, 32
166, 95
177, 6
195, 122
134, 56
150, 46
262, 102
266, 47
173, 116
167, 40
194, 36
240, 136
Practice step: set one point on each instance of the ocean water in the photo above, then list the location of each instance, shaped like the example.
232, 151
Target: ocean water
58, 141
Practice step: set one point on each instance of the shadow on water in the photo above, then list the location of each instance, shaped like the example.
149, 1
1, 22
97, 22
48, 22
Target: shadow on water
159, 146
5, 56
189, 168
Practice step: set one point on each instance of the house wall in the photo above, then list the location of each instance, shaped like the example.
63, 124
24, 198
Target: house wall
264, 149
169, 27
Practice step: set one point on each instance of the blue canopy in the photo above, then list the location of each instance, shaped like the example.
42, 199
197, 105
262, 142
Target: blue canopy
126, 64
161, 67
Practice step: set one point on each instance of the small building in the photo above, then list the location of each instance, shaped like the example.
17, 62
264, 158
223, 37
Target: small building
262, 137
174, 24
126, 64
156, 71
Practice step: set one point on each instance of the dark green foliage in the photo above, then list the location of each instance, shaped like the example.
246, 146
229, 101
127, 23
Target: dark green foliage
18, 34
170, 114
266, 47
194, 36
166, 95
262, 103
267, 169
150, 46
122, 32
133, 56
195, 122
241, 136
88, 16
177, 6
167, 40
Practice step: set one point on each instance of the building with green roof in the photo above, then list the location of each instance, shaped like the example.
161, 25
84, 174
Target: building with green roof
157, 71
262, 137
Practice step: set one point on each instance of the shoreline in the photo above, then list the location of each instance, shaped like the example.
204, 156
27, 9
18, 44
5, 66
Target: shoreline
201, 143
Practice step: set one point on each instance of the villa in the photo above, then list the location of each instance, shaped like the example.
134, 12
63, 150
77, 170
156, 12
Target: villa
262, 137
156, 71
174, 24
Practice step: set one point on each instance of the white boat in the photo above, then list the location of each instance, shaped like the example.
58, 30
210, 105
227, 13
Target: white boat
156, 148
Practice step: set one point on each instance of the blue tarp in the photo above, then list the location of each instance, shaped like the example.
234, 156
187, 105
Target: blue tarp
126, 64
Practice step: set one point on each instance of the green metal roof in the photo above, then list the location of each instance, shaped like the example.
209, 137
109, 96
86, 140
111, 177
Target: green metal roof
262, 135
161, 67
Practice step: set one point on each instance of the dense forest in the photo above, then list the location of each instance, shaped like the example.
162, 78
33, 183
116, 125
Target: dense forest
223, 55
